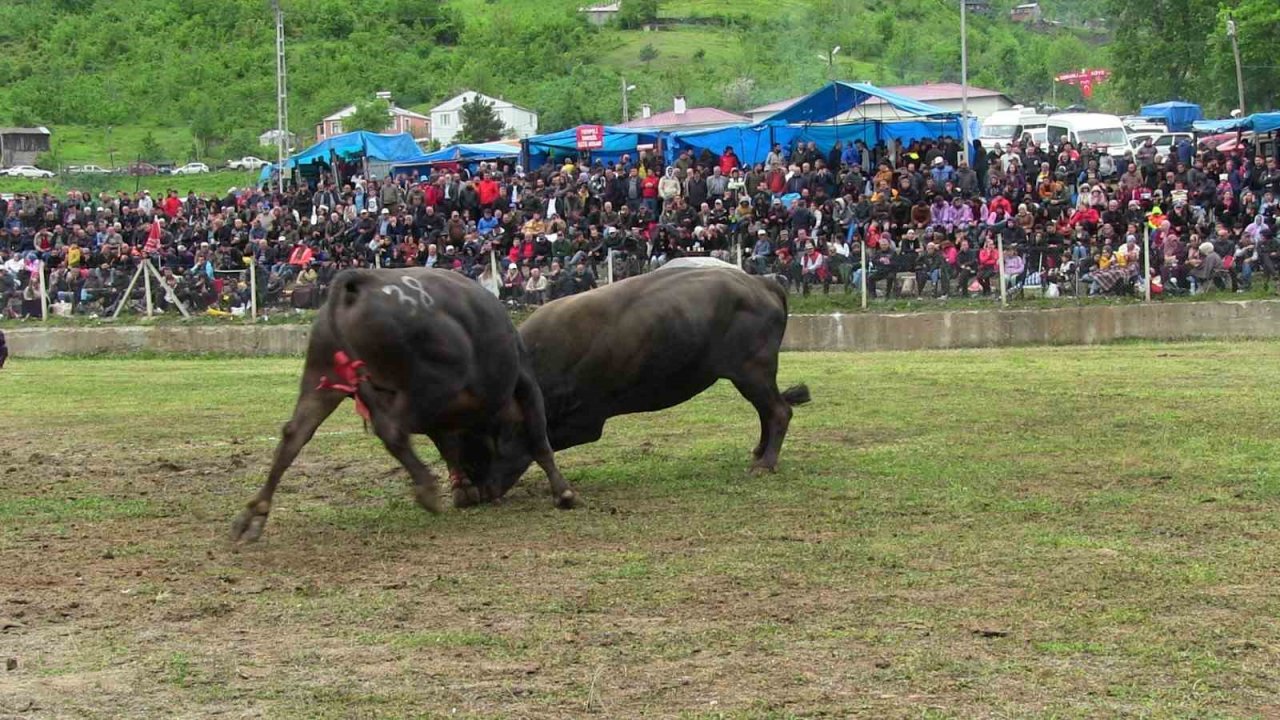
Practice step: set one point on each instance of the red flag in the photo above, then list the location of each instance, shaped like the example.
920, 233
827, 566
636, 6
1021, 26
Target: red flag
153, 238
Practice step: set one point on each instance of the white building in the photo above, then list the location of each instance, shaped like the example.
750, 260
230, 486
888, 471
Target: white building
600, 15
446, 118
402, 120
269, 137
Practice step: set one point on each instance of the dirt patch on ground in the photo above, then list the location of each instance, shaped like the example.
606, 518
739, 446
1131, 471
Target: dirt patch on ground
896, 566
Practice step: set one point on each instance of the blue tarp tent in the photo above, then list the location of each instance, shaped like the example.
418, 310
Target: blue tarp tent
1178, 116
380, 148
1257, 122
465, 154
751, 143
617, 142
838, 98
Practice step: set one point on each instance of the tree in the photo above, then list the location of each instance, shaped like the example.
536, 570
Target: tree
374, 116
479, 122
637, 13
1159, 48
648, 54
149, 148
204, 128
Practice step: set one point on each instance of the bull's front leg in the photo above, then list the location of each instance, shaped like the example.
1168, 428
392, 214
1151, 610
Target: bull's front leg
313, 407
387, 425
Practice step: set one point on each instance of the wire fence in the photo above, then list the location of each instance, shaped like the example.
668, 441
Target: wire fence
257, 290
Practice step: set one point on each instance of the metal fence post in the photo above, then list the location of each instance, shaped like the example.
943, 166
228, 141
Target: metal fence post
610, 251
44, 293
1004, 300
253, 287
1146, 260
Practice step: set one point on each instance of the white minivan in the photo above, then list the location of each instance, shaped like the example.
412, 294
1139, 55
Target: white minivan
1084, 128
1006, 126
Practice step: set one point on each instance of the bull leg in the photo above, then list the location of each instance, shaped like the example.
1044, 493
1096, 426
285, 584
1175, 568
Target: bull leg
758, 384
313, 407
465, 492
529, 399
396, 439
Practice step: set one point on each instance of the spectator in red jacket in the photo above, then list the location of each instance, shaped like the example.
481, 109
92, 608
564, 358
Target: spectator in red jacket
172, 205
488, 191
728, 161
649, 192
988, 264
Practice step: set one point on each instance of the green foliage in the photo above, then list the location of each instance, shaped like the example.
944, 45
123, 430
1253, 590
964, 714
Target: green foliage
149, 150
1160, 46
637, 13
202, 70
373, 116
649, 53
479, 122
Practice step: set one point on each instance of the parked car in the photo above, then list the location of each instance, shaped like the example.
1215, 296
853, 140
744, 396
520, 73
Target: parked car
88, 170
165, 168
27, 171
142, 168
248, 162
191, 169
1163, 141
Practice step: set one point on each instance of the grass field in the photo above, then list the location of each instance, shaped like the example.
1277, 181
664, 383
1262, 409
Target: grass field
1031, 533
215, 182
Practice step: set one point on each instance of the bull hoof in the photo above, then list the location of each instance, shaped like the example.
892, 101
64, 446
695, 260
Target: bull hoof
762, 470
248, 525
466, 496
428, 498
566, 500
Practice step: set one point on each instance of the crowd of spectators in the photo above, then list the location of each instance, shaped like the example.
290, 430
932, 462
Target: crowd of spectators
928, 220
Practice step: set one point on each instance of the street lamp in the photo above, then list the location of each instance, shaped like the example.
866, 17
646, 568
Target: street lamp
111, 152
831, 61
626, 113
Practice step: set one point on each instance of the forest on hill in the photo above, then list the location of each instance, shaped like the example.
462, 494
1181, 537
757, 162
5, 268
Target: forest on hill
208, 65
201, 72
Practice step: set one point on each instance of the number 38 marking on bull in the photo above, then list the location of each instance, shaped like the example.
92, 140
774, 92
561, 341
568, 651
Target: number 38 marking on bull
422, 299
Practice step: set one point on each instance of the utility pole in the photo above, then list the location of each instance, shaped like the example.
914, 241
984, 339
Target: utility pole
626, 90
1235, 50
282, 97
964, 80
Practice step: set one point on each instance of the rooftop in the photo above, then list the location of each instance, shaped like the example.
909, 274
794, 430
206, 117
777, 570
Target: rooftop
692, 116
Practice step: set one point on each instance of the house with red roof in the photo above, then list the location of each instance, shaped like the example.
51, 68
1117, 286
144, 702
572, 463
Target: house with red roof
681, 117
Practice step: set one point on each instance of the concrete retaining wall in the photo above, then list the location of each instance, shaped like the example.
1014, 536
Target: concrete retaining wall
861, 332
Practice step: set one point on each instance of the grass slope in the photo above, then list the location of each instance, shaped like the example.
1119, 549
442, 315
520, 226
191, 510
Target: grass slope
213, 182
1034, 533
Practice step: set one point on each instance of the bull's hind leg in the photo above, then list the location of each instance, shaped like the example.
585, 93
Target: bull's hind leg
757, 381
529, 398
311, 410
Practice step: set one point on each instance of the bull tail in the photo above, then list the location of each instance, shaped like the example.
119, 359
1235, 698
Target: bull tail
344, 294
797, 394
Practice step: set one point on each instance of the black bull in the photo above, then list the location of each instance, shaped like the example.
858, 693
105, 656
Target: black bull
423, 351
643, 344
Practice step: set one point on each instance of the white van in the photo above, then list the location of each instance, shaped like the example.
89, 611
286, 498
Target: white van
1006, 126
1083, 128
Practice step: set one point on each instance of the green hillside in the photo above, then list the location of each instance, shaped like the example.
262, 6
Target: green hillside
200, 73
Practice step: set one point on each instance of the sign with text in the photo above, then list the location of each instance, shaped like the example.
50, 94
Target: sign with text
590, 137
1084, 79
